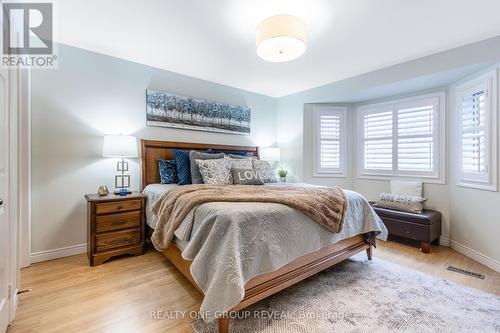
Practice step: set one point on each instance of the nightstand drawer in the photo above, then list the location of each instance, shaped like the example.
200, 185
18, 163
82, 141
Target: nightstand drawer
118, 221
117, 239
117, 206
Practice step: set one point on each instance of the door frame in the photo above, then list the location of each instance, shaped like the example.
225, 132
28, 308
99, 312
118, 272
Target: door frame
24, 167
14, 272
12, 119
20, 175
20, 181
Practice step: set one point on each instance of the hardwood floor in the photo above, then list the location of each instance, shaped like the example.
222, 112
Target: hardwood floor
69, 296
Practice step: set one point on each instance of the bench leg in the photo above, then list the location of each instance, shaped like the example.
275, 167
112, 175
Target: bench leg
425, 247
224, 325
369, 252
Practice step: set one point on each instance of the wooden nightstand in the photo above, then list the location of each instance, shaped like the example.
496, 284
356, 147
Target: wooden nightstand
115, 226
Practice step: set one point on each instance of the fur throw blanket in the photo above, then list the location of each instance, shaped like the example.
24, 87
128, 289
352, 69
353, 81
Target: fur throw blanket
324, 205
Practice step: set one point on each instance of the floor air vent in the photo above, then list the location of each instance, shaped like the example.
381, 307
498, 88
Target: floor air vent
465, 272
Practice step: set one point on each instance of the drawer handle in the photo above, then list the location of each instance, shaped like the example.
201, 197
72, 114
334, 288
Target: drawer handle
119, 207
118, 222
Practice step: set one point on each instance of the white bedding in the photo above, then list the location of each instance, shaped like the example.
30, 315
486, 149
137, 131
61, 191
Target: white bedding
257, 238
153, 192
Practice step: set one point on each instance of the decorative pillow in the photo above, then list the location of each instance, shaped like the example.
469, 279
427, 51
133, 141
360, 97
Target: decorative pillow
246, 177
183, 166
196, 177
168, 171
240, 163
215, 172
237, 156
406, 188
265, 170
405, 203
228, 152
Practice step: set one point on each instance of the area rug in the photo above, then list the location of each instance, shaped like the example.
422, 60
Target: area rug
362, 296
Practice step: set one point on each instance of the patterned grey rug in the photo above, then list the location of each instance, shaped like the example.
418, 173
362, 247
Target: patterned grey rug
363, 296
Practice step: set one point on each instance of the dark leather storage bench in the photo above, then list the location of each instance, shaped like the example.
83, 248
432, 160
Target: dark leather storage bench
425, 227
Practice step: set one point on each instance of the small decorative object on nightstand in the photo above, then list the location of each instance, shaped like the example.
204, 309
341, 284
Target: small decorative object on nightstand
115, 226
103, 190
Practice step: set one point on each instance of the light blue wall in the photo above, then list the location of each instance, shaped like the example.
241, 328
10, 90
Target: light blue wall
438, 70
435, 72
92, 94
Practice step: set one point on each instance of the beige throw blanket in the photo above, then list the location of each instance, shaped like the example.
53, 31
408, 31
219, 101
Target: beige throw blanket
324, 205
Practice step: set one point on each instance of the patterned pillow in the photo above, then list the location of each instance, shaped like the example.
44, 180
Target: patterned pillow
196, 177
183, 166
240, 163
265, 171
405, 203
228, 152
246, 177
168, 171
215, 172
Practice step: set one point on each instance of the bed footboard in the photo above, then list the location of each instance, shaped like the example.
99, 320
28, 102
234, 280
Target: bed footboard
265, 285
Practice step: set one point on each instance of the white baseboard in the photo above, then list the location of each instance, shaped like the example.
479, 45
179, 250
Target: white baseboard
58, 253
444, 241
473, 254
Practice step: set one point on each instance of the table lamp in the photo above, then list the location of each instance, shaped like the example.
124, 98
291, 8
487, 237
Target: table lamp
120, 146
270, 154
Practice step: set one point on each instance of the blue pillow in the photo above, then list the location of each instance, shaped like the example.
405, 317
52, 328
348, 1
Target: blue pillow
168, 171
183, 166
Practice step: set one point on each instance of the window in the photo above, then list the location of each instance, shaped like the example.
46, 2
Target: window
403, 138
476, 132
329, 132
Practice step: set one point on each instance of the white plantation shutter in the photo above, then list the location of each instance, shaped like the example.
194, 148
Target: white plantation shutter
476, 115
378, 141
473, 131
416, 138
329, 157
401, 138
329, 133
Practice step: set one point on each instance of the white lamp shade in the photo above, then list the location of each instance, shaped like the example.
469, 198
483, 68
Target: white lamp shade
119, 146
281, 38
270, 154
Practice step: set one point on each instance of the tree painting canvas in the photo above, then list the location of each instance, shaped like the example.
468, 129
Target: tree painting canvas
170, 110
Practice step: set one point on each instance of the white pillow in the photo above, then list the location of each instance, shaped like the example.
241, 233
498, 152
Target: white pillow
412, 188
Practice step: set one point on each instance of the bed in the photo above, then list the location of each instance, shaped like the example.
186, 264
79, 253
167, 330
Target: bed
276, 276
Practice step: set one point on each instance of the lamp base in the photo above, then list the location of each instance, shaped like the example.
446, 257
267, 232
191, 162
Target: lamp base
122, 192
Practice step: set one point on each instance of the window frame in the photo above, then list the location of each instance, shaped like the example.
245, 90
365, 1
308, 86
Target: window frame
488, 180
341, 111
437, 176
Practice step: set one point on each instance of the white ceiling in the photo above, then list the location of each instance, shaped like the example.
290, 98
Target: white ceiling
214, 39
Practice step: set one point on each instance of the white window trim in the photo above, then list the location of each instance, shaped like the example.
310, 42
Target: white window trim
439, 136
490, 79
342, 112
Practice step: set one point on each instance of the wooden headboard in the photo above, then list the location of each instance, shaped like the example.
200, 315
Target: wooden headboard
152, 151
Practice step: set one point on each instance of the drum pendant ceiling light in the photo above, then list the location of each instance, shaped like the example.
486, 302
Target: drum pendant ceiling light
281, 38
